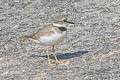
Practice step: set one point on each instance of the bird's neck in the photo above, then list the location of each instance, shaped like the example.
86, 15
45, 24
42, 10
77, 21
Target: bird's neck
59, 25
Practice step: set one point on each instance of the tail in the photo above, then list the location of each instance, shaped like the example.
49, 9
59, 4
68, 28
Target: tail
26, 37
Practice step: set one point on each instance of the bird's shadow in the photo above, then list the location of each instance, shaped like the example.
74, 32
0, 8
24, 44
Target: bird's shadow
64, 56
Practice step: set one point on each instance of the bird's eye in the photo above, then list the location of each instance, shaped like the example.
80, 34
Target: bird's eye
64, 20
52, 32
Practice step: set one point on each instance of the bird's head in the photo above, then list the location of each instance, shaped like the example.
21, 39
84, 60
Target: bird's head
62, 22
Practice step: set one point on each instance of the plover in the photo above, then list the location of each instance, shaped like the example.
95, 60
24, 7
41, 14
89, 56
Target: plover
51, 35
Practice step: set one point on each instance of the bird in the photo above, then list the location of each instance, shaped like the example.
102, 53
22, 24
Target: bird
51, 35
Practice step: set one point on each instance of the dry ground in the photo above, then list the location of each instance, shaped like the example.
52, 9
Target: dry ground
91, 49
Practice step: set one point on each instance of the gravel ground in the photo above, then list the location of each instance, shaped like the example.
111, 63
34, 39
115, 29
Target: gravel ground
91, 49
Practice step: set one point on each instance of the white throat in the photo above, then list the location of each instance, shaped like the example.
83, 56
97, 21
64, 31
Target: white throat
59, 25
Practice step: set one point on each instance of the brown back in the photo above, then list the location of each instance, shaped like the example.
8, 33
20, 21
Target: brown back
46, 31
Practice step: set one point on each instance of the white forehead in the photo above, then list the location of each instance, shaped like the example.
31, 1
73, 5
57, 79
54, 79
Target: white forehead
59, 25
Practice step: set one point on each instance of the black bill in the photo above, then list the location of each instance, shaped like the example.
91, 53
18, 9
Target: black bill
69, 22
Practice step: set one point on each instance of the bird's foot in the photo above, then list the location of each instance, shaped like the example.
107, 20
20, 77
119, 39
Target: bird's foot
60, 61
51, 64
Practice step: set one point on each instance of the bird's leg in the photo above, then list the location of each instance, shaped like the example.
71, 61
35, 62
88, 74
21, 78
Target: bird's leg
49, 57
56, 56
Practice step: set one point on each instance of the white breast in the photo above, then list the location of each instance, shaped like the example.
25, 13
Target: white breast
52, 39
